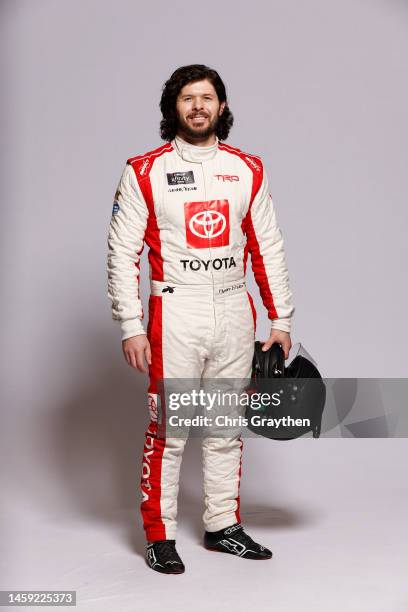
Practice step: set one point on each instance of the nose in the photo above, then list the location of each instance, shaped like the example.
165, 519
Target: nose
198, 103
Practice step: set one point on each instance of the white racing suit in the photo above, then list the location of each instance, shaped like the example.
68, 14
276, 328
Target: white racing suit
200, 210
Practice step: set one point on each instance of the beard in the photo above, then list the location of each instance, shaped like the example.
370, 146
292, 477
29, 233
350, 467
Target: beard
198, 133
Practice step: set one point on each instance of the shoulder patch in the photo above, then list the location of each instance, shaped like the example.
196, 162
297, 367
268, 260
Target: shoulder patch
253, 161
142, 164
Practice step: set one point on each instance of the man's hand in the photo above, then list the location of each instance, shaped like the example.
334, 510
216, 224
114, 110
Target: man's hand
136, 349
281, 337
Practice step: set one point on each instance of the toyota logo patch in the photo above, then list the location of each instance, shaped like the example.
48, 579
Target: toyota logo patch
207, 224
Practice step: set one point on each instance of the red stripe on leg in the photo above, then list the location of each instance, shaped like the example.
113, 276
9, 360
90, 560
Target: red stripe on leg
154, 444
237, 511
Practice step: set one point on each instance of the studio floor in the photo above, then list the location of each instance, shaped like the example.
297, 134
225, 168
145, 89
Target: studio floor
339, 543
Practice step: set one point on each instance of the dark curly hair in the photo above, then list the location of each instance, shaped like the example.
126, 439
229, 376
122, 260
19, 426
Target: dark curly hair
171, 89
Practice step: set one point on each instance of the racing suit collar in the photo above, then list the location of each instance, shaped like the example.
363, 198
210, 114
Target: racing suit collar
194, 153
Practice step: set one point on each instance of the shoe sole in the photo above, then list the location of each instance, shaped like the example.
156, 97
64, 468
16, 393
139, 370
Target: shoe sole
167, 573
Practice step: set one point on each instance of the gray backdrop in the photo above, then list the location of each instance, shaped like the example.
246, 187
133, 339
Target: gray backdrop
319, 90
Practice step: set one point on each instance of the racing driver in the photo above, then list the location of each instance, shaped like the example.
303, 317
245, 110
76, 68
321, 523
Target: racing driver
201, 206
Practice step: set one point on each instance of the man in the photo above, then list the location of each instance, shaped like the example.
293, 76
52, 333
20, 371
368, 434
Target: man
201, 206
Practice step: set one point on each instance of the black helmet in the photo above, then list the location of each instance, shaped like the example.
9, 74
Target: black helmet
300, 393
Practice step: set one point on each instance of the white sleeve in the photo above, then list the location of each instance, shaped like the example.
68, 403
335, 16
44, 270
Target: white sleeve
265, 243
125, 244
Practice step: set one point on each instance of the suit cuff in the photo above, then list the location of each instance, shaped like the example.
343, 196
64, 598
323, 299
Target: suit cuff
131, 327
283, 324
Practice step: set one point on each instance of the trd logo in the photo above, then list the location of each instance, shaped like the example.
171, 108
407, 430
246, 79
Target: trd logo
227, 177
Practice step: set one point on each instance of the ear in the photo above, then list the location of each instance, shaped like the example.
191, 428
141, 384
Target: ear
222, 106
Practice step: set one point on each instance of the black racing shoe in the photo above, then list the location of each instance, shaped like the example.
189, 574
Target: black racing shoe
162, 556
235, 541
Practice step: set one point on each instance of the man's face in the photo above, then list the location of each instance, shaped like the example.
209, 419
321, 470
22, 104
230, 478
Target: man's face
198, 110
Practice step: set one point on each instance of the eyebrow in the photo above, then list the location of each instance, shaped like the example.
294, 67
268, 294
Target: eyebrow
204, 94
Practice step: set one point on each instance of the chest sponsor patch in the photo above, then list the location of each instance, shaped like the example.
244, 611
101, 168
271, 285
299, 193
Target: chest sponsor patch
180, 178
207, 224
